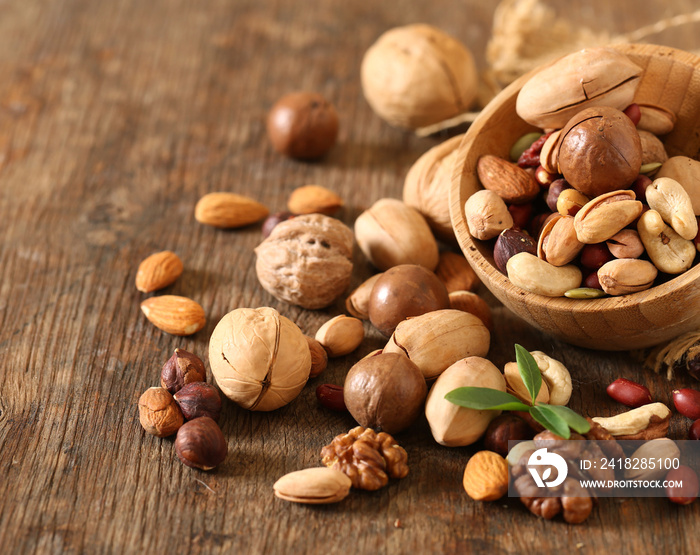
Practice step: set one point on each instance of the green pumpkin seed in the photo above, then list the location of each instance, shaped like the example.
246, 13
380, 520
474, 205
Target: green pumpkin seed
522, 144
647, 169
584, 293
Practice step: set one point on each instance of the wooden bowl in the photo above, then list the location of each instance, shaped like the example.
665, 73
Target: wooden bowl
672, 80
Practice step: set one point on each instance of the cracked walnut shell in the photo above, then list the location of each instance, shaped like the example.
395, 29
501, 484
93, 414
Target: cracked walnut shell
259, 359
306, 261
368, 458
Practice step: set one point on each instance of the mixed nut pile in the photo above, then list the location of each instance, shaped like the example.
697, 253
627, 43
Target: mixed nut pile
575, 212
424, 300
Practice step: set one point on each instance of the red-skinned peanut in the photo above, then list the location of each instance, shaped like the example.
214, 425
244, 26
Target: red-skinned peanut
629, 393
688, 492
687, 402
331, 397
634, 112
694, 431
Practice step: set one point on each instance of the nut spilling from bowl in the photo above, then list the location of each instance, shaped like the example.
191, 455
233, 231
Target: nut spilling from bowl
602, 222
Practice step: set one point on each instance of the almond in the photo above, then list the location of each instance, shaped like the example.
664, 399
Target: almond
510, 182
157, 271
486, 476
173, 314
227, 210
314, 199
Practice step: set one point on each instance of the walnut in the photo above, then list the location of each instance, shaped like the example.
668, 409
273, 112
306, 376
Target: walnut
368, 458
306, 260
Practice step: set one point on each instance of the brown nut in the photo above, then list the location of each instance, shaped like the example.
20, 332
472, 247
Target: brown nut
437, 339
306, 261
486, 476
669, 252
385, 392
625, 244
180, 369
357, 303
629, 393
600, 151
158, 412
456, 273
487, 215
505, 428
199, 399
509, 181
509, 243
174, 314
341, 335
472, 303
558, 243
597, 76
302, 125
427, 187
626, 275
200, 443
157, 271
319, 357
314, 199
331, 397
404, 291
228, 210
450, 424
605, 215
390, 233
646, 422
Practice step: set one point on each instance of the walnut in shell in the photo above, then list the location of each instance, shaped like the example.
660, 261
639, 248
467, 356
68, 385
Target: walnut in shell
306, 261
259, 358
418, 75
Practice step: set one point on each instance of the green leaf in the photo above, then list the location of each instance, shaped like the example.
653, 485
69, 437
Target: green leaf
575, 421
529, 371
550, 420
484, 398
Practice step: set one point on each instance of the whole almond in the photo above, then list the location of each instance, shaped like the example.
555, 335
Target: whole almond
314, 199
229, 210
174, 314
486, 476
319, 357
510, 182
157, 271
456, 273
341, 335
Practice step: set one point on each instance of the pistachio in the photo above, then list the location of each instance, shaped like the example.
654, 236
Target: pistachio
556, 376
663, 451
487, 215
626, 275
558, 243
646, 422
313, 486
669, 252
537, 276
590, 77
549, 155
673, 203
625, 244
357, 303
687, 172
605, 215
656, 119
653, 150
516, 386
450, 424
438, 339
390, 233
341, 335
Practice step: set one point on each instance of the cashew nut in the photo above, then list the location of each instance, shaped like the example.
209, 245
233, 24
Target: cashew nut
556, 376
645, 421
672, 201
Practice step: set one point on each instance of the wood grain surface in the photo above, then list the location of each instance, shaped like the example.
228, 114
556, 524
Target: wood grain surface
115, 118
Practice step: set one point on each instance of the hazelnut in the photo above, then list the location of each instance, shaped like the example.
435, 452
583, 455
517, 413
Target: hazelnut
158, 412
199, 399
272, 220
403, 291
302, 125
600, 151
180, 369
200, 443
259, 359
385, 392
509, 243
505, 428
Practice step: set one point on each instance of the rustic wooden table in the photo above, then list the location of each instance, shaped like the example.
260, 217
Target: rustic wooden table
115, 117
